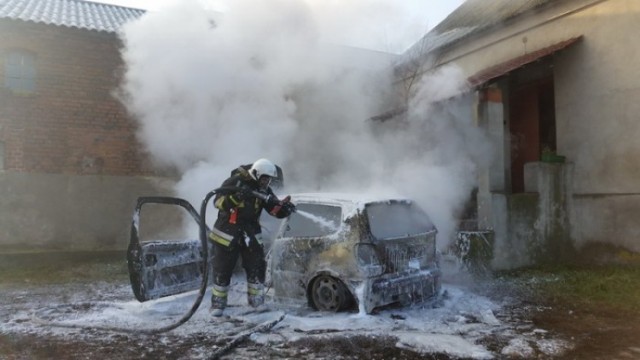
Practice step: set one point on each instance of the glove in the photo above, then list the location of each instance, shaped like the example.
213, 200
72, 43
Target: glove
282, 208
287, 205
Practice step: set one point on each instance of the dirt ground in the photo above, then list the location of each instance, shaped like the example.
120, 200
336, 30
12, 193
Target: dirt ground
28, 347
598, 333
104, 344
593, 332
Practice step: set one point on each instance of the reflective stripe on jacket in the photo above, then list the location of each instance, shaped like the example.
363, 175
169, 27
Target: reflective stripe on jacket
220, 237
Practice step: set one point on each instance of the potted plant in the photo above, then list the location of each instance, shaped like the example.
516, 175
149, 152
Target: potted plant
550, 156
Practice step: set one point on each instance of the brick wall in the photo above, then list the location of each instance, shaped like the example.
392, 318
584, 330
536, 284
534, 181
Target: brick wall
71, 124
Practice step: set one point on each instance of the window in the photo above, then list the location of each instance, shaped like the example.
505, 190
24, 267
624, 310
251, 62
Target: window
20, 71
314, 220
397, 219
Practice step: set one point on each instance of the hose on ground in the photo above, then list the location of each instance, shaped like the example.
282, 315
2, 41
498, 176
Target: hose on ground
203, 285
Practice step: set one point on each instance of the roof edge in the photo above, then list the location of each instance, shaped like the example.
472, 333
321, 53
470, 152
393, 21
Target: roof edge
505, 67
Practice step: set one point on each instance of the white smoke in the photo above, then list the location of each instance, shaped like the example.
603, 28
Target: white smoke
212, 91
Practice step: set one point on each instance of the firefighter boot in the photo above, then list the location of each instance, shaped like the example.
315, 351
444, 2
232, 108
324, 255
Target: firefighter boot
218, 299
255, 294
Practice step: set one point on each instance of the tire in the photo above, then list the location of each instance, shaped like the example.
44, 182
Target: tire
329, 294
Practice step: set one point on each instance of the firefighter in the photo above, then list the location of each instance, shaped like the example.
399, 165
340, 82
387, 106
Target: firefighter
237, 230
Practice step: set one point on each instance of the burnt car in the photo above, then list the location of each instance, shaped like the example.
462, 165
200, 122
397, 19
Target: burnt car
335, 252
341, 250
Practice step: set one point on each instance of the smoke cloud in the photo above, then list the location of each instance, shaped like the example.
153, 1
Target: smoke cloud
214, 90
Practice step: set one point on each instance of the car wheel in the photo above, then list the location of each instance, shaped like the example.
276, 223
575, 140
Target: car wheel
329, 294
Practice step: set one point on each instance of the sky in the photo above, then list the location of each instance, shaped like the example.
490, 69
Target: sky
383, 25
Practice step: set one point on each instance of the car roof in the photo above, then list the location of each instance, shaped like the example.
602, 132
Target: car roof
350, 202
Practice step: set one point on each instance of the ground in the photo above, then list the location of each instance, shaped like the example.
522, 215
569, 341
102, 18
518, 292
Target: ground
596, 333
503, 316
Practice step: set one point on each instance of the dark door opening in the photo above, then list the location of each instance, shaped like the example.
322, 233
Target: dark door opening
532, 125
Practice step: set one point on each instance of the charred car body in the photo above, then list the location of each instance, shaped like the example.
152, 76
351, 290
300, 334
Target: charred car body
335, 252
338, 248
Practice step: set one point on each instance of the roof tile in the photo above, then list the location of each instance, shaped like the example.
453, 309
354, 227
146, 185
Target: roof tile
70, 13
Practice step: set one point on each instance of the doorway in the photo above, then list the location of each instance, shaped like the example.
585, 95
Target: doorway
532, 122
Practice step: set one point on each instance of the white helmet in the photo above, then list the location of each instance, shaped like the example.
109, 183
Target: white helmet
263, 167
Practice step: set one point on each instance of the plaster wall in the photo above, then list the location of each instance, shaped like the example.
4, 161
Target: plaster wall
506, 41
611, 219
597, 87
64, 212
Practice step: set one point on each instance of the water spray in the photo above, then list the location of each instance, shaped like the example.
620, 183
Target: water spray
325, 223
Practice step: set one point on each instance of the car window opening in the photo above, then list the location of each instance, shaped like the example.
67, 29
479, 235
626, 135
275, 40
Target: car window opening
314, 220
397, 219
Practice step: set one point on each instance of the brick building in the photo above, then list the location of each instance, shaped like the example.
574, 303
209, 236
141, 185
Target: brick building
70, 164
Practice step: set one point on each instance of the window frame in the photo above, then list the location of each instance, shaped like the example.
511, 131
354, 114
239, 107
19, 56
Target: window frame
20, 71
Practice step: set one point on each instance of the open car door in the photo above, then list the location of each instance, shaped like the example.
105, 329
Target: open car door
159, 268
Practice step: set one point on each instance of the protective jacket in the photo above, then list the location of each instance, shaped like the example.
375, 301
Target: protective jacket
239, 213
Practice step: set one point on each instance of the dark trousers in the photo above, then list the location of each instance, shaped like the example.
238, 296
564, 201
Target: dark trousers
225, 258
